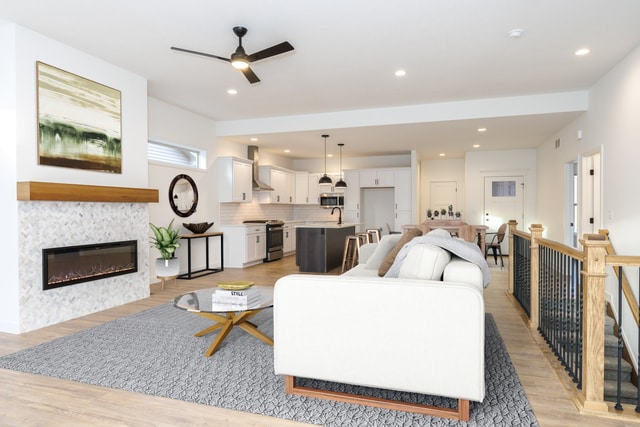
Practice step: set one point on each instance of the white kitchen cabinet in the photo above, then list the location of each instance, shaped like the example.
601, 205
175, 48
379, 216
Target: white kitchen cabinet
289, 238
244, 245
235, 184
376, 178
316, 189
256, 244
301, 188
402, 186
283, 183
403, 197
352, 192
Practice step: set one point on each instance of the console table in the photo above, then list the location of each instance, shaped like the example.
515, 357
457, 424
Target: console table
205, 271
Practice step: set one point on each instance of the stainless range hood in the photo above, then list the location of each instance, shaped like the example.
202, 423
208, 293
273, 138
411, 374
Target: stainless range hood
252, 154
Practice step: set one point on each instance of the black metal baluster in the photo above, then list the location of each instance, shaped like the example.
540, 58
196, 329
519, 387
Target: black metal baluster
581, 316
619, 374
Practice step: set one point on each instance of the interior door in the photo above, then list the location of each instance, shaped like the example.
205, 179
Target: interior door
590, 206
443, 194
503, 201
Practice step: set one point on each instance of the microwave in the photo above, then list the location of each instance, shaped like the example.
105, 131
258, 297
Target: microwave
331, 200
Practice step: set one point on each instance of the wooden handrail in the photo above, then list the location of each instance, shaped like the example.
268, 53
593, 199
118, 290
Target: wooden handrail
613, 260
562, 248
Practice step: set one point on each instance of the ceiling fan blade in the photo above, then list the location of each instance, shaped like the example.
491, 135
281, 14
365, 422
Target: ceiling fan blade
270, 51
200, 53
250, 75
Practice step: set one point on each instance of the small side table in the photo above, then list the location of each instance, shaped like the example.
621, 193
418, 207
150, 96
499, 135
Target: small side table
207, 270
165, 278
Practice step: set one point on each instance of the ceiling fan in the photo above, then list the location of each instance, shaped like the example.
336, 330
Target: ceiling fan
240, 60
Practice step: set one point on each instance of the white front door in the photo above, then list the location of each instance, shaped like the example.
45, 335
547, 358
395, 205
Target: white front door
503, 201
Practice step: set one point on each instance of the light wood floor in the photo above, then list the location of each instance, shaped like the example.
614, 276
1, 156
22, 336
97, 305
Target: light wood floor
32, 400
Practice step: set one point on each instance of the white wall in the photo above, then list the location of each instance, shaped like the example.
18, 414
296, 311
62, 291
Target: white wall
168, 123
333, 163
20, 49
9, 308
441, 170
611, 123
480, 164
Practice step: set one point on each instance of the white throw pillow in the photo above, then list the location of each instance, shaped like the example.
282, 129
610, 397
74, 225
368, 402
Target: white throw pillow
424, 261
440, 232
384, 246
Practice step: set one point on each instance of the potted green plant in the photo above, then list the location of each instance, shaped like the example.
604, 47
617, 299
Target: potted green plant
166, 240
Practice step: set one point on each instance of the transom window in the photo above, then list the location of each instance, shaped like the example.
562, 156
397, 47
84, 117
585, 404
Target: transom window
176, 154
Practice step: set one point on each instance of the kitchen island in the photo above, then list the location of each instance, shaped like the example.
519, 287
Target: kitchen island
320, 246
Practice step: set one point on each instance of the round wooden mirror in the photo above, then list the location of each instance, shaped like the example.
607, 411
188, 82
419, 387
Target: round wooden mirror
183, 195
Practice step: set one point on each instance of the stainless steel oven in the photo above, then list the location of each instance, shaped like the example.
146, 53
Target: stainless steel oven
275, 237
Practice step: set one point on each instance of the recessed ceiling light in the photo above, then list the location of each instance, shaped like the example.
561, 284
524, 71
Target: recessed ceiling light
254, 139
476, 145
581, 52
482, 129
232, 92
287, 151
442, 154
516, 33
329, 155
400, 73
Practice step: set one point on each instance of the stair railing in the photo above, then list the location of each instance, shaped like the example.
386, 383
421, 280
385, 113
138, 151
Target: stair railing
565, 288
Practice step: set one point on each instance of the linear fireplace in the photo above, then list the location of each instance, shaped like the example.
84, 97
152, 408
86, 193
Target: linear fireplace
69, 265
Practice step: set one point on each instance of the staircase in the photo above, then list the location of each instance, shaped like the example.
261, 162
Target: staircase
628, 390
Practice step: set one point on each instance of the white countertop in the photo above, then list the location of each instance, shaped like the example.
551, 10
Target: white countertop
327, 224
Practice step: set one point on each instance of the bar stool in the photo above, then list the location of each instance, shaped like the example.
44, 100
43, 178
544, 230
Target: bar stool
349, 256
374, 235
363, 239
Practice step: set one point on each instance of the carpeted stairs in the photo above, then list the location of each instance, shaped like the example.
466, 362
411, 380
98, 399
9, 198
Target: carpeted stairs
629, 391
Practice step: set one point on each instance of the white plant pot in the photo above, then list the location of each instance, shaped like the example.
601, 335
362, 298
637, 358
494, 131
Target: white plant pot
167, 267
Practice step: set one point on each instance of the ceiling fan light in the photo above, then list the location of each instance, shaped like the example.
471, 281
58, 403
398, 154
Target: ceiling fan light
239, 64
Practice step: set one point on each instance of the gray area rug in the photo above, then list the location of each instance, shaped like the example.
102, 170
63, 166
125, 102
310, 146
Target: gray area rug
154, 352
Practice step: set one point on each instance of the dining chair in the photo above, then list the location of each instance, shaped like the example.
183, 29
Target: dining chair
494, 244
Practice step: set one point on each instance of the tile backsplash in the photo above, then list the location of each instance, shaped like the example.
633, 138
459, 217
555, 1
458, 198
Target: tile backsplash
235, 213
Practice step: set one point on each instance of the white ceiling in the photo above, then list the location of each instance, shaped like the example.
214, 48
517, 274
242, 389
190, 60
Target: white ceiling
346, 53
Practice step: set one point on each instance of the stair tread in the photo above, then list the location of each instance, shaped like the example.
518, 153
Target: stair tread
627, 389
611, 363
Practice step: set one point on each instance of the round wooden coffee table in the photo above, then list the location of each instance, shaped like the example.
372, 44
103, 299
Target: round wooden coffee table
200, 303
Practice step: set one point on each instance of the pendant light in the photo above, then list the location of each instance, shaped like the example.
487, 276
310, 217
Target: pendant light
341, 183
324, 179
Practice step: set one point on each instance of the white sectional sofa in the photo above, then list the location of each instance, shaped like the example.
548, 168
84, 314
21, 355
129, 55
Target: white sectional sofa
406, 333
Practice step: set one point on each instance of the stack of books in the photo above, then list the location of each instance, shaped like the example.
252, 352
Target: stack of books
235, 299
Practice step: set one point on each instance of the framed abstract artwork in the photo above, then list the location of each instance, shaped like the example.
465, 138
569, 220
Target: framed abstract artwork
79, 122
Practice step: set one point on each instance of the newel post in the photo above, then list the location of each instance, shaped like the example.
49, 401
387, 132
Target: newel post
534, 308
513, 224
595, 251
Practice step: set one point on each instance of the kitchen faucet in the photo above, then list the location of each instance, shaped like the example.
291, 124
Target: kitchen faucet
339, 213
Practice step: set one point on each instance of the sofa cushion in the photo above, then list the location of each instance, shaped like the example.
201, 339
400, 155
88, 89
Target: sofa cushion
391, 256
424, 261
383, 247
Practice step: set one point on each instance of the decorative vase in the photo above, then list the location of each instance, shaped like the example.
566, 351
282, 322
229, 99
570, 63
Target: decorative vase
167, 267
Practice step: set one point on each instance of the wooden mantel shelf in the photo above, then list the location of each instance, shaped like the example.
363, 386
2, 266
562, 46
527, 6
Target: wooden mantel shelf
52, 191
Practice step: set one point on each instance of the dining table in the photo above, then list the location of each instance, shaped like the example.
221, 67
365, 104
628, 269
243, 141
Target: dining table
468, 232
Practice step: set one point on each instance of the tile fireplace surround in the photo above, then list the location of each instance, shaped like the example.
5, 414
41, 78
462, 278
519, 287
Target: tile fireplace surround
47, 224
